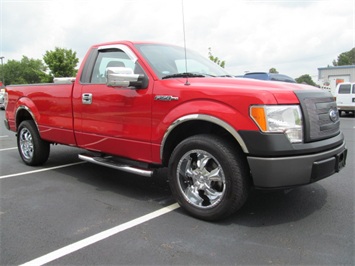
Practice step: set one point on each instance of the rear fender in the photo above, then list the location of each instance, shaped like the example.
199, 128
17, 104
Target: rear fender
25, 110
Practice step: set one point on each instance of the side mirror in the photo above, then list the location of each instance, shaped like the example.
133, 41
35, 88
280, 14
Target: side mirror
124, 77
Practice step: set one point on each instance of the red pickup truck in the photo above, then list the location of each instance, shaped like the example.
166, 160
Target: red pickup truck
138, 106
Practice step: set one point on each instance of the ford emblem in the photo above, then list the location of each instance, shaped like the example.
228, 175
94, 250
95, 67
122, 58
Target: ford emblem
333, 115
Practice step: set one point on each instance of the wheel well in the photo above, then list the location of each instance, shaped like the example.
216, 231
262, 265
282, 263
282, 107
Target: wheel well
191, 128
22, 115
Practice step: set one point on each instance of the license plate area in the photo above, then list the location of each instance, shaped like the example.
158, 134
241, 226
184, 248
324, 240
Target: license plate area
329, 166
340, 160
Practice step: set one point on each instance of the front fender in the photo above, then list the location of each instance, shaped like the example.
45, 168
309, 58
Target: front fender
220, 114
207, 118
216, 111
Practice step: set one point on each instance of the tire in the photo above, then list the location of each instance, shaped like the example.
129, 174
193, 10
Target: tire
208, 178
33, 150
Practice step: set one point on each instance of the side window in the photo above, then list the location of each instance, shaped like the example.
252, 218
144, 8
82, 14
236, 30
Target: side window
344, 89
110, 58
353, 88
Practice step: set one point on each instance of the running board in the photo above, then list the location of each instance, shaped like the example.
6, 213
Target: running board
109, 162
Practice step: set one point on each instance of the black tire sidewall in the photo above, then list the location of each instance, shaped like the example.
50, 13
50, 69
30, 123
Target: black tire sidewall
41, 148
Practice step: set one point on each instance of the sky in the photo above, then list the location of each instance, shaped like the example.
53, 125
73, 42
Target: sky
294, 36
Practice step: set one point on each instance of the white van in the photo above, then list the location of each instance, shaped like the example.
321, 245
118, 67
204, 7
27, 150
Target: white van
345, 97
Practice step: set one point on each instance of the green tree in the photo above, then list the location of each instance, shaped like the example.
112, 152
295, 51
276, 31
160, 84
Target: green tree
61, 62
26, 71
273, 70
215, 58
346, 58
306, 79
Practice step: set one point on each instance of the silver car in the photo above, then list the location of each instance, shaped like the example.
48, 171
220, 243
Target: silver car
2, 100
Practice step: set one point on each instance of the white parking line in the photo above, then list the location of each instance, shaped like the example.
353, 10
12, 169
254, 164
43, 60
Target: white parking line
100, 236
40, 170
5, 136
7, 149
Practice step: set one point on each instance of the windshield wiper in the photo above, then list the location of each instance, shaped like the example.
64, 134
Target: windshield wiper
184, 75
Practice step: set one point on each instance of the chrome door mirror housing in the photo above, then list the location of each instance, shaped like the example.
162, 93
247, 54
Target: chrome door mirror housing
125, 77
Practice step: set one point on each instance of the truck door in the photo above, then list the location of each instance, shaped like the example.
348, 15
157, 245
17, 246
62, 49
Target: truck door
112, 120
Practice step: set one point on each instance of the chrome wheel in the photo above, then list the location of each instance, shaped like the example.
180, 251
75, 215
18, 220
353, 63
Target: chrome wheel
208, 176
26, 143
201, 179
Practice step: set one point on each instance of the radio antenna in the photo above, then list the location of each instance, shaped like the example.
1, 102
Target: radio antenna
183, 28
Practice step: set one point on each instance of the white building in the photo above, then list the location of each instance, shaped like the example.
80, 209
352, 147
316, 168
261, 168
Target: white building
330, 77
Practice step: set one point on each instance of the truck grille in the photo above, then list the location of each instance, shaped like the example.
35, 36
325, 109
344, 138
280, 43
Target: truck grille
321, 119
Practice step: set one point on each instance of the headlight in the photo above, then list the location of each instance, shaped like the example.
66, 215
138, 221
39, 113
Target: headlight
285, 119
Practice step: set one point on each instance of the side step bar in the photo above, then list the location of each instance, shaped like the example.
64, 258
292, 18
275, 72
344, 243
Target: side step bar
109, 162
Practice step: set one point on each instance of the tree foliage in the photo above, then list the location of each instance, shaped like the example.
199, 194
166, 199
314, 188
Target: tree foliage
61, 62
215, 58
26, 71
273, 70
307, 79
346, 58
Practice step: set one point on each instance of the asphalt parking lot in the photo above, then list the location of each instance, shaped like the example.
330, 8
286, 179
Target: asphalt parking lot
72, 213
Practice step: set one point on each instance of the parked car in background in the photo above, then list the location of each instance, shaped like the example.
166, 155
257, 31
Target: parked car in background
269, 76
345, 97
2, 100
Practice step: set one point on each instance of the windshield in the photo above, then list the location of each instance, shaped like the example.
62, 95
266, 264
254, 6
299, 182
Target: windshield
168, 60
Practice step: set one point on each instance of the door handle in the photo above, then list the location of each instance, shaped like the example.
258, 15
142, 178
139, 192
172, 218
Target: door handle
86, 98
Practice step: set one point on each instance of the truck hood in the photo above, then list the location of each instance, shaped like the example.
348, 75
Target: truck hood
253, 84
281, 92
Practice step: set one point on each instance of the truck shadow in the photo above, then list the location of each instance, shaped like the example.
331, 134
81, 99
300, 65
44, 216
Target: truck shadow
279, 207
133, 186
261, 209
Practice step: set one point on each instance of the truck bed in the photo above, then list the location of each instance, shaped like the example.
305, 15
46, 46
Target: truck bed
50, 106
